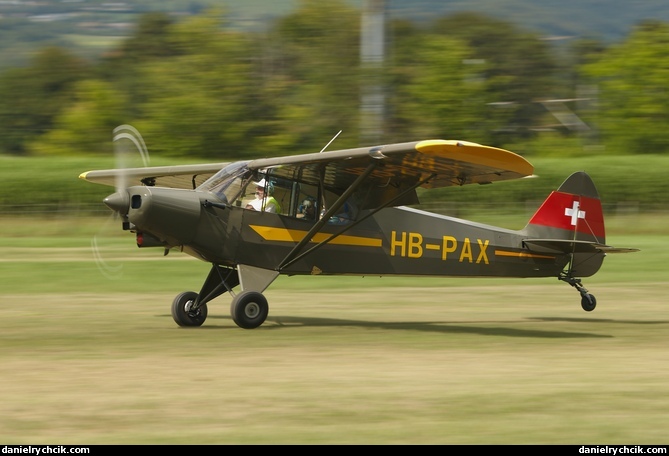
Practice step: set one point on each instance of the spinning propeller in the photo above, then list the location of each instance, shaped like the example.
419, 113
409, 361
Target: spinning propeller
128, 145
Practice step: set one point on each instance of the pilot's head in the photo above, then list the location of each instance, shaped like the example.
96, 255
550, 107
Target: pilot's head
260, 188
308, 209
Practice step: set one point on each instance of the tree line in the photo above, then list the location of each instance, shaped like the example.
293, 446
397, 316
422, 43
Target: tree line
201, 88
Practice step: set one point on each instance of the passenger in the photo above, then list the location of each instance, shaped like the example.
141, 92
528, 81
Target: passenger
343, 217
307, 209
262, 202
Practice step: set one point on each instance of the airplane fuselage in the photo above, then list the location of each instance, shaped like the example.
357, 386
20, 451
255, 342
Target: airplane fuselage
393, 241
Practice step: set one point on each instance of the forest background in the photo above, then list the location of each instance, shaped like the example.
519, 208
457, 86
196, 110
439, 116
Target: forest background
222, 84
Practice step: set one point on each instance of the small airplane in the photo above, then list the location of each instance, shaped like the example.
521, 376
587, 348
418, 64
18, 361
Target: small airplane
346, 212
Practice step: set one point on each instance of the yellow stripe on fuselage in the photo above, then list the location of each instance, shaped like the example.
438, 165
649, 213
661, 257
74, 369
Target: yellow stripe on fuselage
269, 233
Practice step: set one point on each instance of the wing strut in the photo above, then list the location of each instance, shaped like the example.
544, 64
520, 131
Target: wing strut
285, 263
329, 213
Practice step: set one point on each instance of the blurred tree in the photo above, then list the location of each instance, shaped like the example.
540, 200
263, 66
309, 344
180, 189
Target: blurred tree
206, 100
584, 51
86, 125
572, 57
195, 99
202, 88
80, 117
311, 69
150, 41
434, 93
226, 94
633, 96
518, 69
151, 38
30, 98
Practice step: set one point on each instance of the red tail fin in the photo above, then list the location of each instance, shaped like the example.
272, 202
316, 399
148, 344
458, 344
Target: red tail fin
573, 211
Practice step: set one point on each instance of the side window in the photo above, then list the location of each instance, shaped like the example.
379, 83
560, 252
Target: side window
311, 205
282, 192
267, 193
345, 214
264, 192
306, 202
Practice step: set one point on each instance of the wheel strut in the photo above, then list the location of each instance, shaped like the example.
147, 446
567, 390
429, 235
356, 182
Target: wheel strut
588, 301
220, 280
574, 282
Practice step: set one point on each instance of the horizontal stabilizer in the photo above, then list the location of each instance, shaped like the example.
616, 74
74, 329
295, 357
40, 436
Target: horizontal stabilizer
572, 246
610, 249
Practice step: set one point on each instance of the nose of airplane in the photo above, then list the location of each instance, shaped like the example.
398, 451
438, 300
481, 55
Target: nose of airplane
170, 214
118, 202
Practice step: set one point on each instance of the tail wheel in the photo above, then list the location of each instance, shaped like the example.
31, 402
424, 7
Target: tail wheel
249, 309
183, 313
588, 302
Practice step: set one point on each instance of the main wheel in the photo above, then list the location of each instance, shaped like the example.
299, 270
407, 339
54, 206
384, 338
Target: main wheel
249, 309
588, 303
182, 313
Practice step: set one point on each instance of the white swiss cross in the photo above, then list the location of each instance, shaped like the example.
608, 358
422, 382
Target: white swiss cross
575, 213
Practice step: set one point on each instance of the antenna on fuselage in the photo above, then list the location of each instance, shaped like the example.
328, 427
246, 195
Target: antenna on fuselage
326, 146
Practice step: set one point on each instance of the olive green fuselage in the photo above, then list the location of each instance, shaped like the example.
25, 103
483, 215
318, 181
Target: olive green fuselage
392, 241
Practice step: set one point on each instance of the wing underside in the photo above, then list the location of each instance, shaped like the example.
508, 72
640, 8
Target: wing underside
180, 176
440, 163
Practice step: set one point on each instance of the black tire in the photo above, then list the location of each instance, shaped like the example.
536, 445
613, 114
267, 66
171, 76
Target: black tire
249, 309
181, 310
588, 303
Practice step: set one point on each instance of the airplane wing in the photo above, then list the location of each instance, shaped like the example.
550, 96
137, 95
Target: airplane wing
180, 176
450, 163
401, 166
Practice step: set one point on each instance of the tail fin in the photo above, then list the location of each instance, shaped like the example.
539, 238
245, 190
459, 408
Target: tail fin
573, 212
571, 221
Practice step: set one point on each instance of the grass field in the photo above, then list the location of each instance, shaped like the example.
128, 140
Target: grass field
88, 359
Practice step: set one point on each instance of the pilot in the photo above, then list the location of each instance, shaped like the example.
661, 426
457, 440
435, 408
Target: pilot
262, 202
307, 209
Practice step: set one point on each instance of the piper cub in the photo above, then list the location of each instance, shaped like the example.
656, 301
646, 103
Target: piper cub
346, 212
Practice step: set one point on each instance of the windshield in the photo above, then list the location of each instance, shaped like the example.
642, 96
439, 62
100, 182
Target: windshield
227, 184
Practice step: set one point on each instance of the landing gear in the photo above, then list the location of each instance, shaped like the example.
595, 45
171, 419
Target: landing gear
588, 301
190, 308
249, 309
185, 312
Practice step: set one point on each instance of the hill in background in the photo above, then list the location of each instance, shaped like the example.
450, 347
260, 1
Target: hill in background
606, 20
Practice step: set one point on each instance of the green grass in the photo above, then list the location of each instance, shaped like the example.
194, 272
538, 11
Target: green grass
88, 359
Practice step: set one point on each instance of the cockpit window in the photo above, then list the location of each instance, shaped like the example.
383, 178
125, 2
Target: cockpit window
236, 185
227, 184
